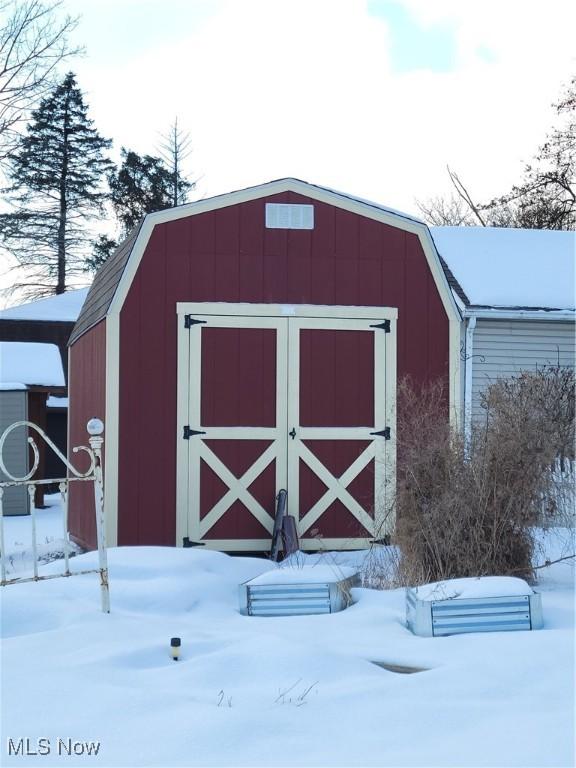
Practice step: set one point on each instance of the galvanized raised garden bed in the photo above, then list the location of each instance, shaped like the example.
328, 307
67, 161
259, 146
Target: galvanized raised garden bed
298, 591
455, 615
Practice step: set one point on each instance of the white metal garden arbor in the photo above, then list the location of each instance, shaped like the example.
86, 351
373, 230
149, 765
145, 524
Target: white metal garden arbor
94, 474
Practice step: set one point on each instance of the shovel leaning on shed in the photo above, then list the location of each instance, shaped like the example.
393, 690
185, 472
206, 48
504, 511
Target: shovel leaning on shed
284, 533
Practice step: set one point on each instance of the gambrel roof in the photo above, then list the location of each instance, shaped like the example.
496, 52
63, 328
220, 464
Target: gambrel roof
107, 281
485, 267
102, 290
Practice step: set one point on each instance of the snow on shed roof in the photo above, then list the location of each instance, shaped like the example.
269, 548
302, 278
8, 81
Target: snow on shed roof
513, 268
65, 307
30, 364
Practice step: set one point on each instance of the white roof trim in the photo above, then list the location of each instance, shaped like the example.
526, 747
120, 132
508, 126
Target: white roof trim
459, 303
322, 194
278, 186
504, 313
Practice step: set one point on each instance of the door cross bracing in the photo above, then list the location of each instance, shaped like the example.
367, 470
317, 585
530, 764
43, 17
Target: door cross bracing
285, 432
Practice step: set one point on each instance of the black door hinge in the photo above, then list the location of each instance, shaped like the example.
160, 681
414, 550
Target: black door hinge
187, 543
188, 433
385, 325
385, 433
189, 321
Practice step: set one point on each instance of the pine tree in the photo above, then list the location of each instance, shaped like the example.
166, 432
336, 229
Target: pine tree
142, 184
56, 174
102, 248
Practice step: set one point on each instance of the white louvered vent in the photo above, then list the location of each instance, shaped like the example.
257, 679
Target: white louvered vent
283, 216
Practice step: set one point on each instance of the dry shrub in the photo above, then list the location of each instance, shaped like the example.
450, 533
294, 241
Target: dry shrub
471, 510
539, 407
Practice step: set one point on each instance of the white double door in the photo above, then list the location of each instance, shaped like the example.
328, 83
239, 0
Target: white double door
301, 403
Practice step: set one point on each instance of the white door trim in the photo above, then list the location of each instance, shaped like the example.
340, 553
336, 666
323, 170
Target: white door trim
224, 309
191, 452
377, 449
275, 316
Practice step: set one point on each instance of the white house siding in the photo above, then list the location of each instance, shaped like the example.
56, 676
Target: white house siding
15, 454
503, 348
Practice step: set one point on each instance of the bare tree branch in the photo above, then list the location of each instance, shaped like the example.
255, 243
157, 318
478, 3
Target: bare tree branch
465, 195
175, 147
33, 42
445, 212
548, 563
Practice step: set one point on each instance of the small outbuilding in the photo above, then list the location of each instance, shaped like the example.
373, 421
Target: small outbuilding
36, 335
252, 342
30, 374
44, 321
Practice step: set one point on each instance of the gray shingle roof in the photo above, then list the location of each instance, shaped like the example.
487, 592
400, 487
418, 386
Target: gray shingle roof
104, 286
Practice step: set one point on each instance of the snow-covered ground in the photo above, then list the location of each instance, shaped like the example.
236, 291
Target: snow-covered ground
50, 538
288, 691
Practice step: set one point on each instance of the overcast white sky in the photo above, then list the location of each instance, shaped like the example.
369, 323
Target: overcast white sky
372, 97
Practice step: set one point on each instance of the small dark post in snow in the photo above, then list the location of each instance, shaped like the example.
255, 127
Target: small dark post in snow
175, 644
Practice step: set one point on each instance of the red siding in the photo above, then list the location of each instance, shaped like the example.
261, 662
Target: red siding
336, 378
238, 377
228, 255
87, 393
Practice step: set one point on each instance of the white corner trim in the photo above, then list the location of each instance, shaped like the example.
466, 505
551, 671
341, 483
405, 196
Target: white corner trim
182, 446
469, 351
454, 371
454, 323
111, 426
68, 419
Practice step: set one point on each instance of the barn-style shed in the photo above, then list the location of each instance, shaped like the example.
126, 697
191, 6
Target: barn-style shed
252, 342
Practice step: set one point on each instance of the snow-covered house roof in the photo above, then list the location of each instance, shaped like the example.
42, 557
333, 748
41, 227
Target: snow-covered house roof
524, 269
28, 364
64, 308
